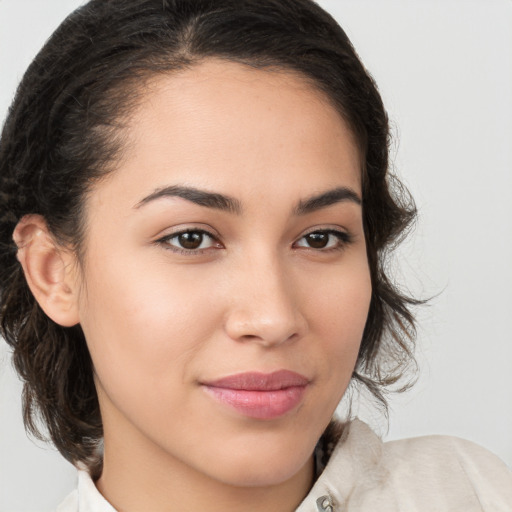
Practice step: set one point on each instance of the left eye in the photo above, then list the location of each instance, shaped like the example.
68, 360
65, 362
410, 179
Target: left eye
323, 240
191, 240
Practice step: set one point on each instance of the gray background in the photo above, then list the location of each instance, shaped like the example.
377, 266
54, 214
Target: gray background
445, 71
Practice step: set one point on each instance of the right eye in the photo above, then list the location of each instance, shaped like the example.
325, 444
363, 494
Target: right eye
190, 241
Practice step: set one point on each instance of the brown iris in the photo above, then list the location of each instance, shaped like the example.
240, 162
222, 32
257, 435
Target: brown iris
317, 240
191, 240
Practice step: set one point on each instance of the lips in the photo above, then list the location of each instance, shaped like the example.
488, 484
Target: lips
259, 395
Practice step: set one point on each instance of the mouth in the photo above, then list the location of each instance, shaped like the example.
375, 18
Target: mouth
258, 395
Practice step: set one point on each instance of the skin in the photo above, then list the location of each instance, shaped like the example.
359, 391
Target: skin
161, 320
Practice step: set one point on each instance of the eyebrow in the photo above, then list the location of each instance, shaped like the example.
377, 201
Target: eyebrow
194, 195
232, 205
325, 199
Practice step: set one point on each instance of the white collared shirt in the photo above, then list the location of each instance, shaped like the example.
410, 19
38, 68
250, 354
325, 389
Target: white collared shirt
363, 474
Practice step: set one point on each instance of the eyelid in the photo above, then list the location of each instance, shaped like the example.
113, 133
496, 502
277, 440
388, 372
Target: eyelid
164, 240
187, 228
344, 238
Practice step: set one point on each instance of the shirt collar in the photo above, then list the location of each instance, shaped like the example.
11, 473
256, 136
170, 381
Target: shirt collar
346, 455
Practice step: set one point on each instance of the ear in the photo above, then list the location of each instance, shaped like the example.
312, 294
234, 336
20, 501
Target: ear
50, 270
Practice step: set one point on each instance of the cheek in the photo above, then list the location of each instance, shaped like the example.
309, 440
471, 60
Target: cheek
142, 326
337, 314
341, 299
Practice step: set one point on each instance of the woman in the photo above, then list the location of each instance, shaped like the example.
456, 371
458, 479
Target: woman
193, 270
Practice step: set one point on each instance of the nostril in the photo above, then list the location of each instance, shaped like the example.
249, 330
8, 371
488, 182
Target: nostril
272, 319
249, 337
270, 339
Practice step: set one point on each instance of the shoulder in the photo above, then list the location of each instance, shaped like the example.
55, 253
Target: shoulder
85, 498
460, 471
430, 452
70, 504
425, 474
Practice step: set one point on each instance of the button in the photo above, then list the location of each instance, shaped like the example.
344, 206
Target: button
325, 504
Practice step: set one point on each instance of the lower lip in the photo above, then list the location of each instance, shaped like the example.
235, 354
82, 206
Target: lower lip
263, 405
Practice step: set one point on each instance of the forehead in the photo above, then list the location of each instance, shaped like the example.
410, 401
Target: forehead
224, 125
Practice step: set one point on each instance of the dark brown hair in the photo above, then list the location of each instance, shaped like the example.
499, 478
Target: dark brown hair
62, 134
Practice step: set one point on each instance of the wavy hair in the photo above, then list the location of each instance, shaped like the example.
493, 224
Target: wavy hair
64, 132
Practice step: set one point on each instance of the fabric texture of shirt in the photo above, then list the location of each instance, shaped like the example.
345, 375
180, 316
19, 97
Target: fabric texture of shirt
363, 474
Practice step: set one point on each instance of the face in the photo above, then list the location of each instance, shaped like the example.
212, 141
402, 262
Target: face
225, 284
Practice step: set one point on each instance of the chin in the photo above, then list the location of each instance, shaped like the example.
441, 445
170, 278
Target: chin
265, 468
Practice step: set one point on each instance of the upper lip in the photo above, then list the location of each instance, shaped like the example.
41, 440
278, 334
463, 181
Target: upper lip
259, 381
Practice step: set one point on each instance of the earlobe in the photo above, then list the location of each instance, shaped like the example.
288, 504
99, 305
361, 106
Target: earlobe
49, 270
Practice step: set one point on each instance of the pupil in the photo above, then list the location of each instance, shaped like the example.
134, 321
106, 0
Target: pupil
317, 240
191, 240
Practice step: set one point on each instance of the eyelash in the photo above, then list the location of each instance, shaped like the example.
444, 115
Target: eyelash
165, 241
343, 240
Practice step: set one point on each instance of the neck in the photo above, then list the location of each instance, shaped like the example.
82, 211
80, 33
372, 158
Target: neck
139, 475
144, 483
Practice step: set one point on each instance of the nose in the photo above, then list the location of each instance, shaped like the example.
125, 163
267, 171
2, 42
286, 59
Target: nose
265, 306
